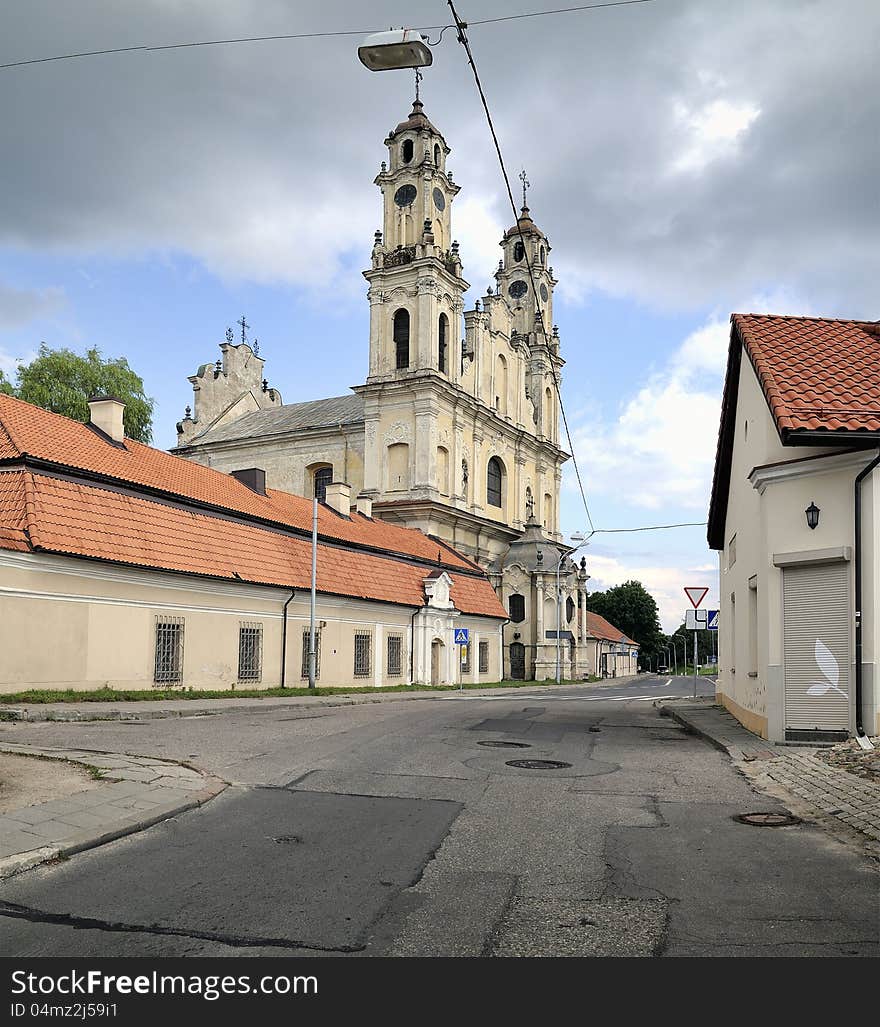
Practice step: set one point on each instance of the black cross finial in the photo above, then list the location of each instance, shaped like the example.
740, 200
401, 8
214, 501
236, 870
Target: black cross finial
526, 183
244, 327
419, 77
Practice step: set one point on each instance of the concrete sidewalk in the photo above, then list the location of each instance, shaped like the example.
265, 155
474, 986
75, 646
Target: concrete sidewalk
140, 791
831, 794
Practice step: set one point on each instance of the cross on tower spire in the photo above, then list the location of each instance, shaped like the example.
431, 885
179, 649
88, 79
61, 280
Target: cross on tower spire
525, 184
244, 327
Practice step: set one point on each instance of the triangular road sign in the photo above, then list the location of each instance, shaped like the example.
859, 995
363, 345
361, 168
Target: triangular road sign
696, 595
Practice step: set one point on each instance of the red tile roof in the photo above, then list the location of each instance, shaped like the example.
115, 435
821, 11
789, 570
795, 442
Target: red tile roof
598, 627
817, 374
821, 381
116, 520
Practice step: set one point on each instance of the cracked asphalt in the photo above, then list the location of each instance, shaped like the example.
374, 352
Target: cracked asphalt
389, 830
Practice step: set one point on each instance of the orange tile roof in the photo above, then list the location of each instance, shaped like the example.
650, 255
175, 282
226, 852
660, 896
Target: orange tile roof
51, 437
598, 627
817, 374
109, 521
820, 378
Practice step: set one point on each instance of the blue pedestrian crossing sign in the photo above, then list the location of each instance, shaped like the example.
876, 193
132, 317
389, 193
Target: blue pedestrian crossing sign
462, 636
712, 620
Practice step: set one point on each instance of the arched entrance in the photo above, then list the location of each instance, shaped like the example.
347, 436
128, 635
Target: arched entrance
517, 661
437, 648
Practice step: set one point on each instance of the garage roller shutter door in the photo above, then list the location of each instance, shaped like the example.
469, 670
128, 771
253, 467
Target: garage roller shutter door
818, 661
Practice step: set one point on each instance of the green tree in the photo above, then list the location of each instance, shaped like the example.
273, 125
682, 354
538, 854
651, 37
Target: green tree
6, 385
707, 645
633, 610
63, 381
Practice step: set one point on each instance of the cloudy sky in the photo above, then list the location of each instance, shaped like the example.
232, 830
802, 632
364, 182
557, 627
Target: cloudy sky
687, 158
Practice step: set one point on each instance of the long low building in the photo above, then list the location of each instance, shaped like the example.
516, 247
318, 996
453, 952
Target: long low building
125, 566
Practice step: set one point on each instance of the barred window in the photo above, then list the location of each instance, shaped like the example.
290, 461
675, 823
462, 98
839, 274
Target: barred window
169, 650
395, 650
361, 654
516, 605
305, 653
250, 651
484, 657
465, 659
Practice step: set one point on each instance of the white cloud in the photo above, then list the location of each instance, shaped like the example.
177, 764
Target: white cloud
711, 132
661, 449
18, 306
664, 582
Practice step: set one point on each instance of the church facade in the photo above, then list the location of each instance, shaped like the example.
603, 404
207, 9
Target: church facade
455, 430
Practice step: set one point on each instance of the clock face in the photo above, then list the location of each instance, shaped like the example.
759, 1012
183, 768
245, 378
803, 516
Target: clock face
439, 199
405, 195
518, 289
544, 293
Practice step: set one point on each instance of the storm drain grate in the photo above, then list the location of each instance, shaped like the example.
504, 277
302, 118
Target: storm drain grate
538, 764
775, 819
494, 743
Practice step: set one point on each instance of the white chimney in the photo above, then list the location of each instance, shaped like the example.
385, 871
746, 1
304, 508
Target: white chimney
338, 496
365, 506
105, 414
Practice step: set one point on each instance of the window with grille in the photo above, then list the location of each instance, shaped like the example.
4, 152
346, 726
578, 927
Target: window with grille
465, 659
516, 606
305, 653
250, 652
323, 477
361, 654
484, 657
169, 650
395, 653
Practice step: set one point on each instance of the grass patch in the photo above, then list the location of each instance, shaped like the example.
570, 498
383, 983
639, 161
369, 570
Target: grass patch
70, 695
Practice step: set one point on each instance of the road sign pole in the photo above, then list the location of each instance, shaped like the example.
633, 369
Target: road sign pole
695, 664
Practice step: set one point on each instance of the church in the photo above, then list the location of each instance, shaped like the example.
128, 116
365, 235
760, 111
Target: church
455, 430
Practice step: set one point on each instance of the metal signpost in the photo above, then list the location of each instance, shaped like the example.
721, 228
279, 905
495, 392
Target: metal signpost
462, 638
696, 596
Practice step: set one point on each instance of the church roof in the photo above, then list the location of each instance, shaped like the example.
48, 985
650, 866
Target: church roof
416, 122
317, 413
65, 489
524, 222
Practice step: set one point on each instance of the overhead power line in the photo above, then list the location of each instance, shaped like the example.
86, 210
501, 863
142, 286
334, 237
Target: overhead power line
146, 48
462, 38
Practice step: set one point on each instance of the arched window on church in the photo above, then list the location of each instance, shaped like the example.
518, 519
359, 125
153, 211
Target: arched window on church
519, 251
406, 151
548, 512
322, 476
401, 338
548, 414
398, 466
443, 470
495, 482
436, 155
442, 332
543, 255
516, 607
569, 610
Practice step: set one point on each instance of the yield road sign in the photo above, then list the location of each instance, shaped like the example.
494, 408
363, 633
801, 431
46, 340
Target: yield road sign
712, 622
696, 595
462, 635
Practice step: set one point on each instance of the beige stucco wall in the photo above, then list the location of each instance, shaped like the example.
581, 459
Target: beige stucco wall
767, 517
68, 623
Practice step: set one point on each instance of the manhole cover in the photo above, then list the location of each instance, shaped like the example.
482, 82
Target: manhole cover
537, 764
493, 743
782, 819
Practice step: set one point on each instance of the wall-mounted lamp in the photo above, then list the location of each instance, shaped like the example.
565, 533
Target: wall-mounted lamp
812, 513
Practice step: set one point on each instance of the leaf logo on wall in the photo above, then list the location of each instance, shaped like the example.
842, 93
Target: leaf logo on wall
828, 665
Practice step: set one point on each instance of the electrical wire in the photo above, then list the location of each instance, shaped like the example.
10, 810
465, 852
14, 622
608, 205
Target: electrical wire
307, 35
462, 38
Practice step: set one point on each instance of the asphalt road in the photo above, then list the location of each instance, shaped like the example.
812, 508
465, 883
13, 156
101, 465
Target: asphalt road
401, 828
